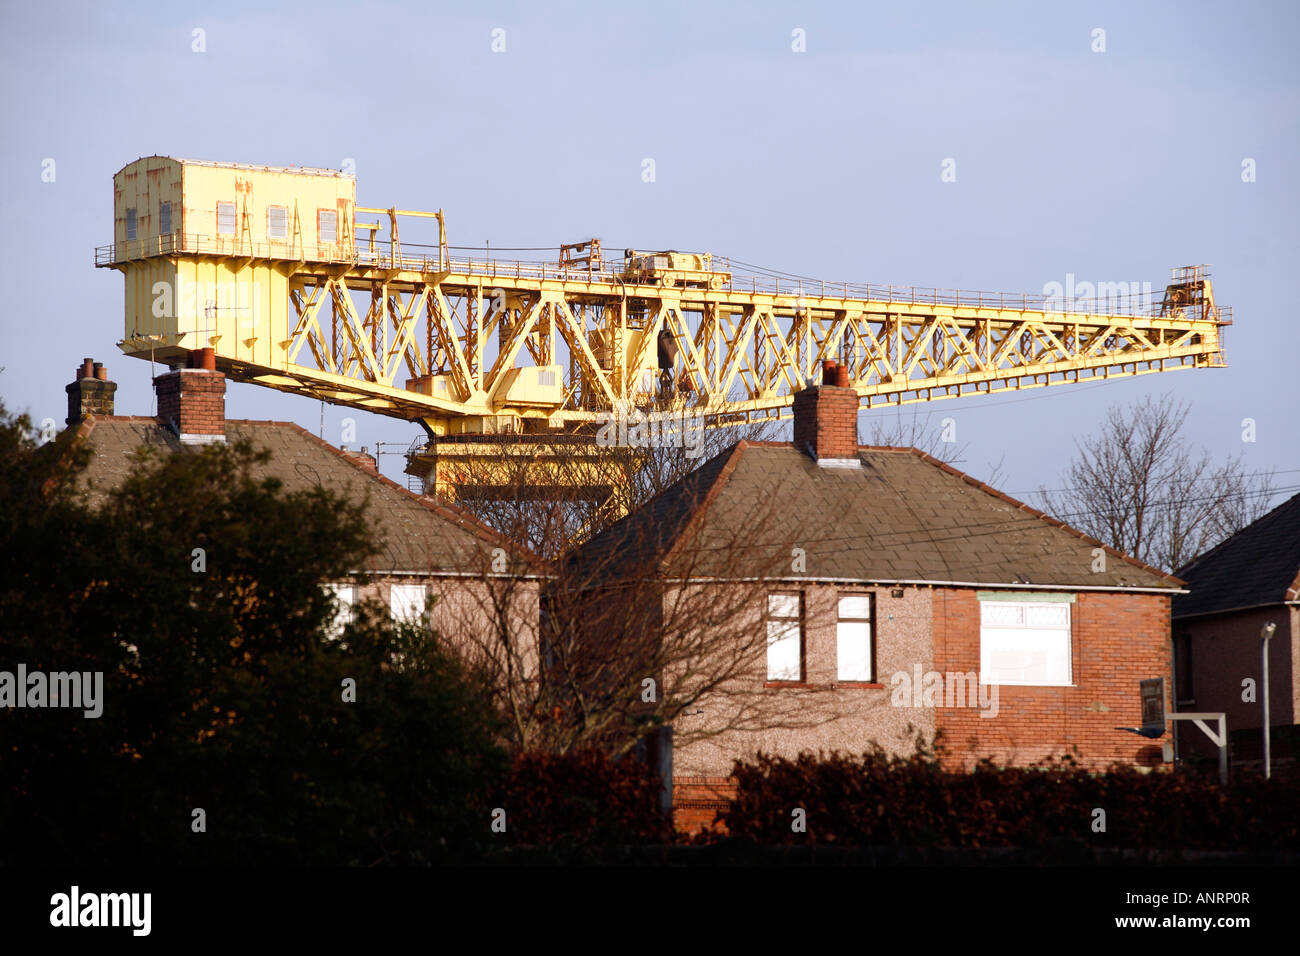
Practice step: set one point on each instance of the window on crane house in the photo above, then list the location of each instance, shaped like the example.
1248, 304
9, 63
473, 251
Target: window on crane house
327, 225
785, 637
277, 222
130, 223
225, 219
853, 639
1025, 642
165, 219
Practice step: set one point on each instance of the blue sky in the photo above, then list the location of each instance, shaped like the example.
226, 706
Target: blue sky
1113, 166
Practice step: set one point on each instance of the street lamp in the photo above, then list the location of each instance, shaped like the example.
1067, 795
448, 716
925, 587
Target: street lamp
1265, 634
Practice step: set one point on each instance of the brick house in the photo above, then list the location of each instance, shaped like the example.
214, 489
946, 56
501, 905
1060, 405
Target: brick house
1249, 580
912, 598
434, 561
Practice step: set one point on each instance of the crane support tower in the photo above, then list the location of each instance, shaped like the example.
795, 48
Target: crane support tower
297, 288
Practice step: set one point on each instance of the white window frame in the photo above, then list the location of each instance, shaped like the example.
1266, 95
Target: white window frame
401, 607
849, 660
345, 613
232, 215
785, 633
1000, 638
271, 223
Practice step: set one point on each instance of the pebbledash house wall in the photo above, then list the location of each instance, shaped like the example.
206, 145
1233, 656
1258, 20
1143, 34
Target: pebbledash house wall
1117, 640
460, 608
855, 715
1225, 651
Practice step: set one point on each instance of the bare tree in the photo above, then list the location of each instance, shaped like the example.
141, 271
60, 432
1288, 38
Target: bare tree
1141, 487
549, 498
655, 469
657, 618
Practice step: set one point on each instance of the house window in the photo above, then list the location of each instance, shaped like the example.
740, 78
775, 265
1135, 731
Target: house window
225, 219
130, 223
784, 637
406, 602
165, 219
1025, 642
853, 638
346, 597
277, 222
1184, 692
327, 225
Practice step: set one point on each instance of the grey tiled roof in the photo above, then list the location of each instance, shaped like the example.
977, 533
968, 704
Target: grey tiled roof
902, 516
1259, 565
413, 533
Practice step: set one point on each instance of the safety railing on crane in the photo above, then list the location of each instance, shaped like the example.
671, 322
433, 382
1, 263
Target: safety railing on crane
379, 255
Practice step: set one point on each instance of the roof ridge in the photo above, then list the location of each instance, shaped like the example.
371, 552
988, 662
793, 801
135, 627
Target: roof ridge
1238, 537
670, 518
445, 510
1055, 522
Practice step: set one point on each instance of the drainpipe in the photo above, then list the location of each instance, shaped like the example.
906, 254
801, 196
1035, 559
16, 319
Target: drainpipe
1265, 634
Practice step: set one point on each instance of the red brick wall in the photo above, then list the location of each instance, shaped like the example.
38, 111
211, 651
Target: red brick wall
1117, 640
698, 801
826, 420
193, 398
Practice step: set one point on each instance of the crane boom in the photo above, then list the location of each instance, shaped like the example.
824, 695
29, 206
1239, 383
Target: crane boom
277, 270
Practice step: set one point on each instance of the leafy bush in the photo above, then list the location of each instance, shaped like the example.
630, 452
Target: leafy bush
883, 800
221, 691
582, 798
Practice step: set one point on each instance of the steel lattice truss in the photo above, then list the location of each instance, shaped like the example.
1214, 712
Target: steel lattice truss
740, 354
489, 347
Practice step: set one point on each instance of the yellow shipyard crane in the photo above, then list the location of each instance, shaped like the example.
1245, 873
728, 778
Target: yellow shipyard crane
297, 288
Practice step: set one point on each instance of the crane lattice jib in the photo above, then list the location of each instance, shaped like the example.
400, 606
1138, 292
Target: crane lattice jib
289, 281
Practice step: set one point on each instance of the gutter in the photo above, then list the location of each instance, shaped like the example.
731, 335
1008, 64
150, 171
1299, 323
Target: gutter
472, 575
1011, 585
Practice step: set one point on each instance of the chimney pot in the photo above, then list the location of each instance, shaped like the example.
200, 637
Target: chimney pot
828, 371
90, 393
841, 376
193, 400
826, 424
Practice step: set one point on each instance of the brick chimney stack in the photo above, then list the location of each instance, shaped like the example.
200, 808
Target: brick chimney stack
363, 458
192, 401
91, 393
826, 419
